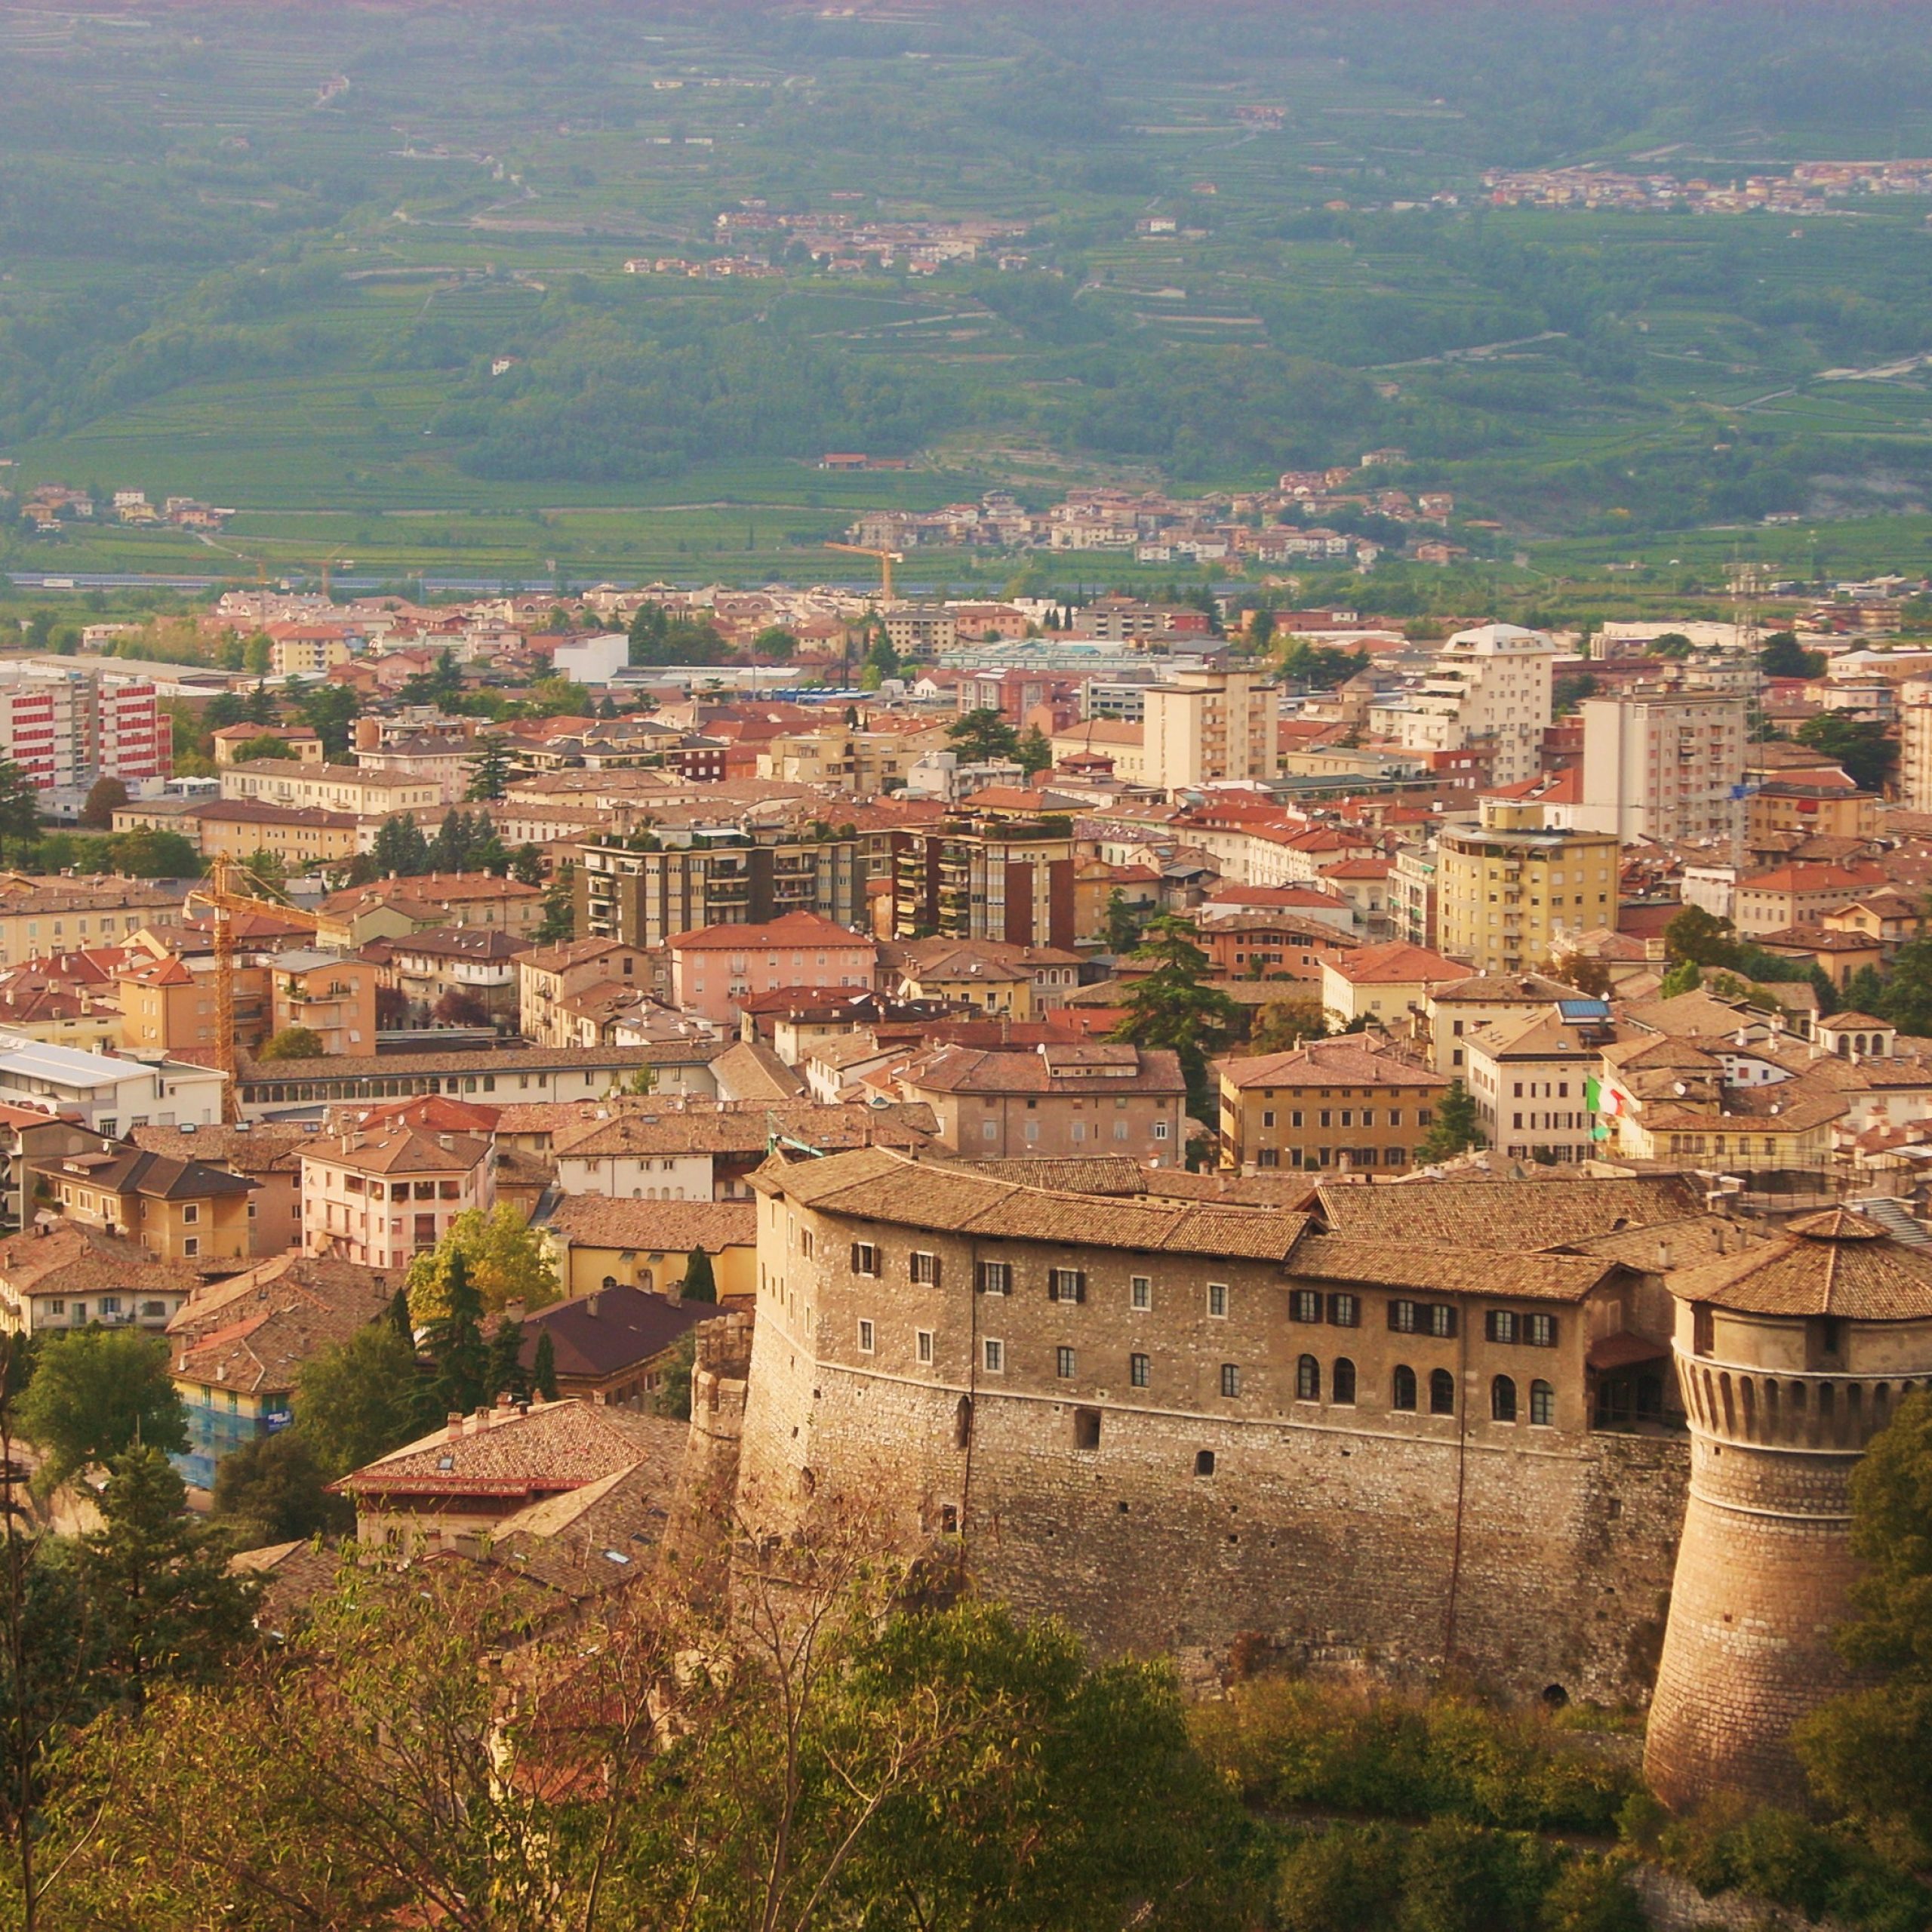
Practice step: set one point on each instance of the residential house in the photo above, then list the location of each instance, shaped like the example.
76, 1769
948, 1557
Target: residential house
1466, 1006
164, 1007
1386, 984
613, 1346
64, 1275
467, 1479
38, 916
1800, 894
713, 969
1055, 1101
177, 1209
1327, 1105
598, 1242
1012, 982
380, 1198
240, 1345
108, 1092
303, 837
1528, 1074
475, 963
266, 1152
396, 908
548, 976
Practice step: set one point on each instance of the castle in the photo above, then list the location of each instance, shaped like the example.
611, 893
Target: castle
1409, 1429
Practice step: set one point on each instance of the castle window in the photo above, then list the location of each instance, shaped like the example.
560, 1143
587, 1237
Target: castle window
994, 1357
1539, 1331
1304, 1305
1441, 1319
1308, 1380
996, 1277
1204, 1462
962, 1423
1063, 1364
1344, 1311
1230, 1379
1137, 1370
1402, 1317
865, 1258
865, 1338
922, 1344
1501, 1325
1217, 1299
1502, 1400
1543, 1405
1086, 1429
1402, 1389
1703, 1328
1140, 1292
1441, 1393
1066, 1284
924, 1269
1342, 1382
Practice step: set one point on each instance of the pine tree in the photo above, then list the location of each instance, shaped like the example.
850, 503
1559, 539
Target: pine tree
159, 1581
1865, 992
20, 808
1454, 1128
543, 1370
559, 921
527, 866
507, 1374
449, 851
399, 1317
401, 849
262, 708
700, 1285
456, 1341
1174, 1007
490, 770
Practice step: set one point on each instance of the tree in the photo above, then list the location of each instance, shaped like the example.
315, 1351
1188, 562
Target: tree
559, 923
258, 654
501, 1260
150, 854
700, 1285
1035, 751
1783, 657
775, 643
1865, 992
401, 850
104, 795
329, 711
1454, 1129
1907, 999
224, 709
1261, 628
259, 706
673, 1396
457, 1008
20, 808
1686, 976
454, 1339
1124, 922
1174, 1007
543, 1369
490, 769
1860, 745
450, 851
1317, 666
159, 1583
359, 1399
267, 868
1285, 1023
95, 1393
267, 746
1673, 644
979, 736
294, 1043
1701, 937
527, 866
271, 1490
507, 1375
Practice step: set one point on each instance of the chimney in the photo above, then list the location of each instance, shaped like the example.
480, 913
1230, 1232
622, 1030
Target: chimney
503, 1404
476, 1424
456, 1425
590, 1305
1663, 1257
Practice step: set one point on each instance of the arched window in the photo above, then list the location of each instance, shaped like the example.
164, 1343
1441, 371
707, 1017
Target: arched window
1543, 1405
1441, 1393
1341, 1380
609, 1281
1308, 1380
1402, 1388
1502, 1400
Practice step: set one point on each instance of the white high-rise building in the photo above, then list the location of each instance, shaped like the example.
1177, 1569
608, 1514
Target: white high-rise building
1491, 687
1198, 726
1664, 764
1915, 744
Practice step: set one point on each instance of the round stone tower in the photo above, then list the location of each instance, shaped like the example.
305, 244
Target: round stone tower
1793, 1354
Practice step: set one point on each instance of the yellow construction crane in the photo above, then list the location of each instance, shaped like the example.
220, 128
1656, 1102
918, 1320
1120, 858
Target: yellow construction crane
887, 558
231, 889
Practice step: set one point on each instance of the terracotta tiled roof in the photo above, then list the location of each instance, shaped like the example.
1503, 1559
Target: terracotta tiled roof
1346, 1062
655, 1227
253, 1331
793, 930
751, 1071
398, 1150
1468, 1271
156, 1177
603, 1333
1397, 964
1515, 1216
510, 1453
742, 1128
1096, 1069
70, 1259
1835, 1263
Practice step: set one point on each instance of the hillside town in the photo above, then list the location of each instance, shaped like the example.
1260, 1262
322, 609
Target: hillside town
737, 1050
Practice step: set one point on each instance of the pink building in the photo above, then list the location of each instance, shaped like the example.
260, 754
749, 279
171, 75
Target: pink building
378, 1197
715, 967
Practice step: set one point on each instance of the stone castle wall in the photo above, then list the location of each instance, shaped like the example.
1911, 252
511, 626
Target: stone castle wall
1532, 1556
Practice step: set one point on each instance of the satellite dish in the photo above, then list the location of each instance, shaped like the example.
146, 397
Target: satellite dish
1681, 1088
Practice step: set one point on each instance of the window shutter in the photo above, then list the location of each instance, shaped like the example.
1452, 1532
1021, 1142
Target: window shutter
858, 1266
1080, 1285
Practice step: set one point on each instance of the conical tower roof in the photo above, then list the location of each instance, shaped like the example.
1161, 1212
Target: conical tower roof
1836, 1263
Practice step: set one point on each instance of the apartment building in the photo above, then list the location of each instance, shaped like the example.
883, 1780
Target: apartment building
1200, 726
333, 788
333, 996
1326, 1104
380, 1198
1509, 890
641, 892
1527, 1074
108, 1092
395, 908
1490, 688
1664, 764
965, 879
716, 968
1915, 778
66, 729
311, 651
553, 975
40, 916
301, 836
